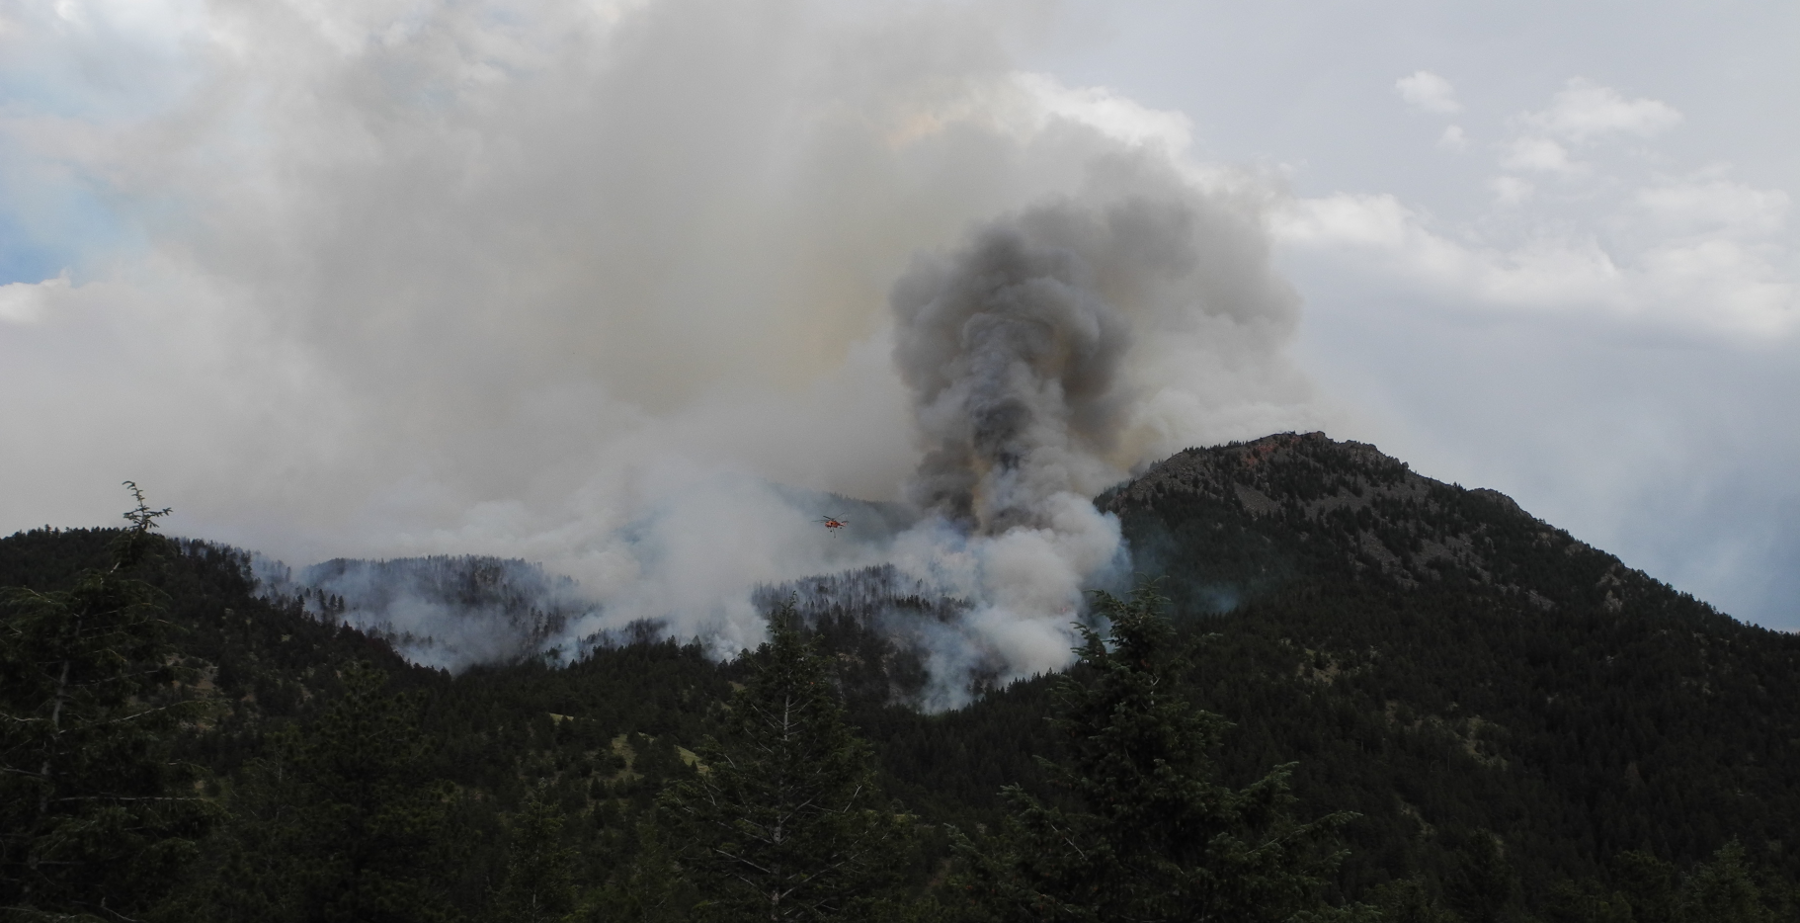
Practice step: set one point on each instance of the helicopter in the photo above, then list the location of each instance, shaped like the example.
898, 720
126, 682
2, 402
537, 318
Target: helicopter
832, 522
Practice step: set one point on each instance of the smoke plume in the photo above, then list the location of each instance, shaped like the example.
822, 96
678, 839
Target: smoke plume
636, 291
1020, 352
1013, 359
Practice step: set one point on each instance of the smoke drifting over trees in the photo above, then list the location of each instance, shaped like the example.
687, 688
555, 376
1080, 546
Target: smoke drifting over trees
1018, 349
580, 284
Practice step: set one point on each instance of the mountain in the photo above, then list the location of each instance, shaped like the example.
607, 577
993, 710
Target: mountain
1521, 721
1445, 663
444, 611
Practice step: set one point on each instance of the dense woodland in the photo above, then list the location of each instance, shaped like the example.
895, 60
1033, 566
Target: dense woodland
1366, 696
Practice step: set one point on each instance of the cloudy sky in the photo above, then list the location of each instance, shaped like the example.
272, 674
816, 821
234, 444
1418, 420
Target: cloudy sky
405, 276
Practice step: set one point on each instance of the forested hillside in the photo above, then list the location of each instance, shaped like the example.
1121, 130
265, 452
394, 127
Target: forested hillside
1445, 664
1522, 727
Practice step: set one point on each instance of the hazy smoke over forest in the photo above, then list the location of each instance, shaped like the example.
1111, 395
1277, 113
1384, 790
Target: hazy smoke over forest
640, 290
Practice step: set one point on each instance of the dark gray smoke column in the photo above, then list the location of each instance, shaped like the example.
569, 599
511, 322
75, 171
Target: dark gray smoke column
1013, 352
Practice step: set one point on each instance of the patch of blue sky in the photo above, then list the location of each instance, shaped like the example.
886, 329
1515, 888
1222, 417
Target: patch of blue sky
24, 258
53, 229
101, 74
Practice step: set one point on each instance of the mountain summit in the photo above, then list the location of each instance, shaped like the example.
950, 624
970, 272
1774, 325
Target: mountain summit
1251, 516
1459, 664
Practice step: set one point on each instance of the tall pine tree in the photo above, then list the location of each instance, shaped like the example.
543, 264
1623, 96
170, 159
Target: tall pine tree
783, 822
1144, 831
344, 824
539, 885
95, 815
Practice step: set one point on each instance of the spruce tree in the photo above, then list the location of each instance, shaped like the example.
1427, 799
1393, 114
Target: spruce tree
1143, 831
372, 816
540, 879
783, 821
344, 821
95, 816
1481, 884
1723, 890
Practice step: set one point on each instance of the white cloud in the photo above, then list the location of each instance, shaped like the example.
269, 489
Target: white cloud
1510, 190
71, 12
1716, 206
1109, 113
1453, 139
1541, 155
1584, 111
1429, 92
1712, 286
27, 302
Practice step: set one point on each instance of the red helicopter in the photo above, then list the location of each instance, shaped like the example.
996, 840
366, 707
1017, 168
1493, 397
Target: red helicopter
833, 523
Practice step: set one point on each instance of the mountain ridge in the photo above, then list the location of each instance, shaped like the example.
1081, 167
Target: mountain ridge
1407, 528
1430, 657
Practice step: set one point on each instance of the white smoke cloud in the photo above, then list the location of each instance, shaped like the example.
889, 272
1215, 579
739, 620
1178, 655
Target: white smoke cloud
577, 283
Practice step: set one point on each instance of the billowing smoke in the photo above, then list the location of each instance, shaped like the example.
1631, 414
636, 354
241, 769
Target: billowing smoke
1013, 359
1019, 349
634, 290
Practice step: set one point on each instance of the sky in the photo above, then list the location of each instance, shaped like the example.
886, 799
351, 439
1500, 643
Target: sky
578, 282
1548, 248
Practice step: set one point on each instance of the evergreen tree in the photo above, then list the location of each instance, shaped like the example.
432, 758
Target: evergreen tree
1651, 886
373, 818
540, 880
95, 816
1723, 890
783, 821
1410, 901
1147, 833
1481, 882
649, 888
344, 823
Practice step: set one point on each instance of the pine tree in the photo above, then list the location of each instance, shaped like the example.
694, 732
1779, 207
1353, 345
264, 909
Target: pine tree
1481, 884
1146, 833
1723, 890
95, 816
343, 822
650, 888
540, 880
1651, 885
373, 817
783, 822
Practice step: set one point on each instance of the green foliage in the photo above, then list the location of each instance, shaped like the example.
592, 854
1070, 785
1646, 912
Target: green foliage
783, 822
1643, 889
1443, 663
95, 814
1409, 901
1723, 891
649, 888
1481, 881
1149, 833
540, 881
372, 816
1434, 659
343, 823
